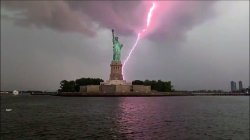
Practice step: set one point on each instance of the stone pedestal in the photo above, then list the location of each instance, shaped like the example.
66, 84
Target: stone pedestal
116, 70
115, 82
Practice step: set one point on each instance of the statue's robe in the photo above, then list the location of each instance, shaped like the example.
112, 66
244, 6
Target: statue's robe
117, 51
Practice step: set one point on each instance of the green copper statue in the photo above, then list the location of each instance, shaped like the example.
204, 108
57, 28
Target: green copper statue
117, 47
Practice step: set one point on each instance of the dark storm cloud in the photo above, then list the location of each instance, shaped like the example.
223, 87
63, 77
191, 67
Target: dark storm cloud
175, 18
170, 21
53, 14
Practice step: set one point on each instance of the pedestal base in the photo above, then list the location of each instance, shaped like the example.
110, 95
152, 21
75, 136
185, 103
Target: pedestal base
115, 86
115, 82
116, 70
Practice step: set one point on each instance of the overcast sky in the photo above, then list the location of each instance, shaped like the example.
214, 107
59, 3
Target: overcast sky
196, 45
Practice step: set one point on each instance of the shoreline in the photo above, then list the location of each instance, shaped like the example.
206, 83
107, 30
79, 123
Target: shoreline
132, 94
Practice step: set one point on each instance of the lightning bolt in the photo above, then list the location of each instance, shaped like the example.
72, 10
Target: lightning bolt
149, 17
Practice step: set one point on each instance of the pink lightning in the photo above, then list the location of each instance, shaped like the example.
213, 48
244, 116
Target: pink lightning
149, 17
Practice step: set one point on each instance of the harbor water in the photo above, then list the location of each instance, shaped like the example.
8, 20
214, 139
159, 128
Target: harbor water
129, 118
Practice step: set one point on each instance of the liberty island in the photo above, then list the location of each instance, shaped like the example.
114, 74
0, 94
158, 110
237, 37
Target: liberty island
116, 85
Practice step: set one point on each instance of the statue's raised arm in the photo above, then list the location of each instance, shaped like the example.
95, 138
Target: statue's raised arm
113, 36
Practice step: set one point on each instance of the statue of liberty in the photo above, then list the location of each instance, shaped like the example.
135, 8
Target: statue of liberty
117, 47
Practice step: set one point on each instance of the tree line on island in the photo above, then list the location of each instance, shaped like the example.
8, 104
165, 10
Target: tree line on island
162, 86
74, 85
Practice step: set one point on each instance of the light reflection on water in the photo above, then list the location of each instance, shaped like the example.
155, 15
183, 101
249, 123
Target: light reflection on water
175, 118
131, 121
